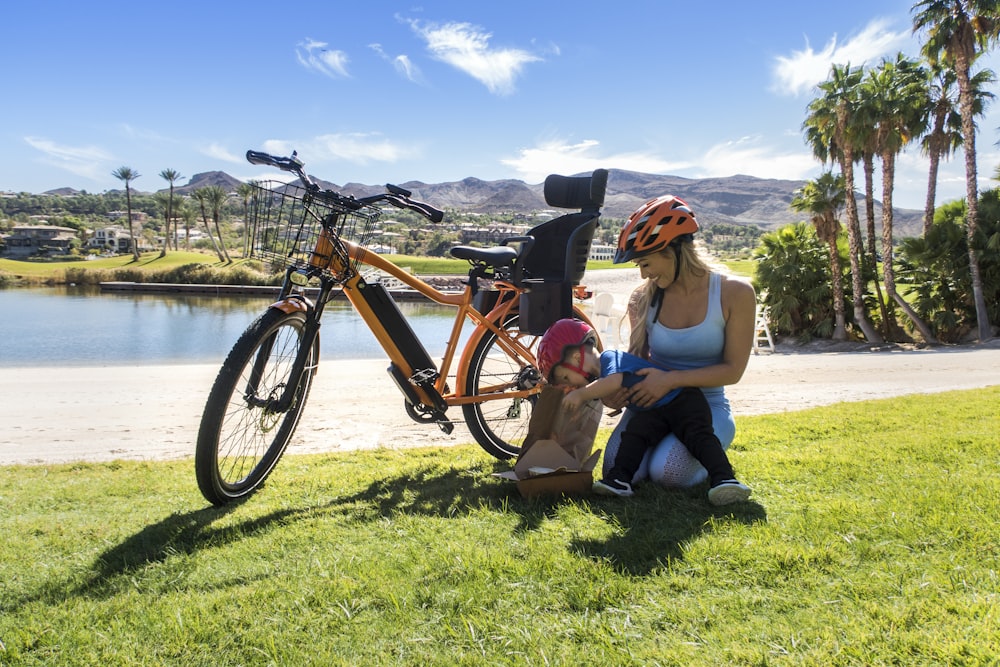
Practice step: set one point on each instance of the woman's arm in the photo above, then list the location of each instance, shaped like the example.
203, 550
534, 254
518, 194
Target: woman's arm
739, 308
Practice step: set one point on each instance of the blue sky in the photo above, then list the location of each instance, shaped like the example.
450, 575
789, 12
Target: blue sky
373, 91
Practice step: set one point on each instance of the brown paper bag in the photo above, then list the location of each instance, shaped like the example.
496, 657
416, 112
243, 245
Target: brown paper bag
573, 431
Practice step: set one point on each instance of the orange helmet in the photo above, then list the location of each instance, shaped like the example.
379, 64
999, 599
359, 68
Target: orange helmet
654, 226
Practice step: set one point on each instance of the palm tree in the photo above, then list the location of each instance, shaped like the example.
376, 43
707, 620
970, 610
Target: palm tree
828, 131
127, 175
202, 196
958, 31
823, 198
162, 200
245, 192
898, 88
217, 199
169, 175
792, 277
944, 135
862, 129
187, 214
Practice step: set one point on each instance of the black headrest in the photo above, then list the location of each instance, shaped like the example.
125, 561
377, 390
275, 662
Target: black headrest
581, 192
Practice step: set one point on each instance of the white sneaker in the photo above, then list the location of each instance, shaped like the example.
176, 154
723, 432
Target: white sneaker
728, 492
613, 487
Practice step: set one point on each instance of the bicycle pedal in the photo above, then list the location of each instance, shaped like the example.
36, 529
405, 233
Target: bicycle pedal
424, 376
446, 426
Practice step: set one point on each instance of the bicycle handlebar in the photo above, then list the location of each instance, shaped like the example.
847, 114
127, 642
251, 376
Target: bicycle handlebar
395, 195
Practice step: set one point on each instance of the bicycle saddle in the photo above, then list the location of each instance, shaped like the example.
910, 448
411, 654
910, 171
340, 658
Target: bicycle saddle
496, 256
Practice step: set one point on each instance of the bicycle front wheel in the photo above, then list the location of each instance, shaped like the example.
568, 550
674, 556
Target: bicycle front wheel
243, 433
500, 425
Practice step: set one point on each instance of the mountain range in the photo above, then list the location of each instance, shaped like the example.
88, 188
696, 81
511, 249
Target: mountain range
740, 200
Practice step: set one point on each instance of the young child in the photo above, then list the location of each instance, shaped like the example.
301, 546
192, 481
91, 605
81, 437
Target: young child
567, 357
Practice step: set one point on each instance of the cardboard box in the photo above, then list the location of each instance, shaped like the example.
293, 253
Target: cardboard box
556, 457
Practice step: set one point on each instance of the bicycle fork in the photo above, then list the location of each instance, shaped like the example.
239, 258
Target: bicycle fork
290, 300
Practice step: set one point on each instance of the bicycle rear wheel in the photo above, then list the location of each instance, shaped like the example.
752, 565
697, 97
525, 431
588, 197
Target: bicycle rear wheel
242, 436
501, 425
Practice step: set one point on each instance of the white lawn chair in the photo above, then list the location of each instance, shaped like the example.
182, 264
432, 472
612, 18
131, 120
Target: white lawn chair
762, 331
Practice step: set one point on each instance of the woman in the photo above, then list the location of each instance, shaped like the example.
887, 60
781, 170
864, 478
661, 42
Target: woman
688, 317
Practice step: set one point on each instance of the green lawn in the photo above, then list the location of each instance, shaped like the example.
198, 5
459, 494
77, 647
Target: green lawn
152, 263
57, 272
871, 539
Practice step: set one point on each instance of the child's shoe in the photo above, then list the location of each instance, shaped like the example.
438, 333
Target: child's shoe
609, 486
728, 491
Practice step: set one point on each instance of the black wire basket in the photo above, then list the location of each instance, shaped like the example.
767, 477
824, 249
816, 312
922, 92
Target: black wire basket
285, 223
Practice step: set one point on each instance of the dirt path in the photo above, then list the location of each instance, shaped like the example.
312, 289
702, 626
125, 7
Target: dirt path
98, 414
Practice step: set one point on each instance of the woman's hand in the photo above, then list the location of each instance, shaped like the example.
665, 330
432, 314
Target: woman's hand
656, 384
617, 400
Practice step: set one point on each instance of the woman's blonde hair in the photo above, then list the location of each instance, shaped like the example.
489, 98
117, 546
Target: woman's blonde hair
693, 261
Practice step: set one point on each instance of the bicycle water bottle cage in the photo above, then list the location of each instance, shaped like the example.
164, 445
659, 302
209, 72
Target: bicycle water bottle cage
549, 266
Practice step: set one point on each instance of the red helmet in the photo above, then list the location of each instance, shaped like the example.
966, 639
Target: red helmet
654, 226
564, 334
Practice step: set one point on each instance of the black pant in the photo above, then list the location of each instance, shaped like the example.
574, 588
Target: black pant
689, 417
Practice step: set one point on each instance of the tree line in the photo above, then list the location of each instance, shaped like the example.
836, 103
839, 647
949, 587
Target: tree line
870, 115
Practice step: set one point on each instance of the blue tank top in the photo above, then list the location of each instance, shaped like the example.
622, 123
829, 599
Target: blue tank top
691, 347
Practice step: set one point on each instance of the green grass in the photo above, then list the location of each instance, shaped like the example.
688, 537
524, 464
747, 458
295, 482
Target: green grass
871, 539
151, 261
148, 261
430, 266
56, 272
741, 267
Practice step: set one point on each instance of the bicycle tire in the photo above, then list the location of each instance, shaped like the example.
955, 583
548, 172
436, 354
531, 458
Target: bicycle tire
499, 426
239, 443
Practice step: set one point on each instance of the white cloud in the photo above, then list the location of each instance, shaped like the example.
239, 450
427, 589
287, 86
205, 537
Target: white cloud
403, 65
557, 157
220, 152
86, 161
749, 156
356, 147
466, 48
802, 70
315, 56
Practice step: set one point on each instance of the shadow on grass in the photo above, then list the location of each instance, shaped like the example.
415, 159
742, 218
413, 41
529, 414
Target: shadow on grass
179, 533
650, 529
654, 528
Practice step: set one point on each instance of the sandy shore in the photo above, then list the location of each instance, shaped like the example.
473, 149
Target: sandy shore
98, 414
52, 415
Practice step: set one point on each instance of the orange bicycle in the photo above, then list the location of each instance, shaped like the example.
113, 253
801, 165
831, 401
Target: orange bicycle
513, 293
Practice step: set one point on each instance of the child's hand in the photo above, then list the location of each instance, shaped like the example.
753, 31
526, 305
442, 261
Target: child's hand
573, 400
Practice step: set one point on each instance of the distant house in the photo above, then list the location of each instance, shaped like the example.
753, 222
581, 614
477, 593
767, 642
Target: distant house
26, 240
115, 239
600, 252
110, 239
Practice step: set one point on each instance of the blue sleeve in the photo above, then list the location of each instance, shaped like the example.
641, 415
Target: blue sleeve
617, 361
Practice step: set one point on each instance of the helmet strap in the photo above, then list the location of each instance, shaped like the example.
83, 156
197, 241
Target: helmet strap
677, 260
579, 367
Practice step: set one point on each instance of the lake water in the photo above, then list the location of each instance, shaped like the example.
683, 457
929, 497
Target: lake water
77, 326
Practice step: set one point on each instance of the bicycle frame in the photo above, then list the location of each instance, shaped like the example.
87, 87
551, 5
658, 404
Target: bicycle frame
259, 394
421, 381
